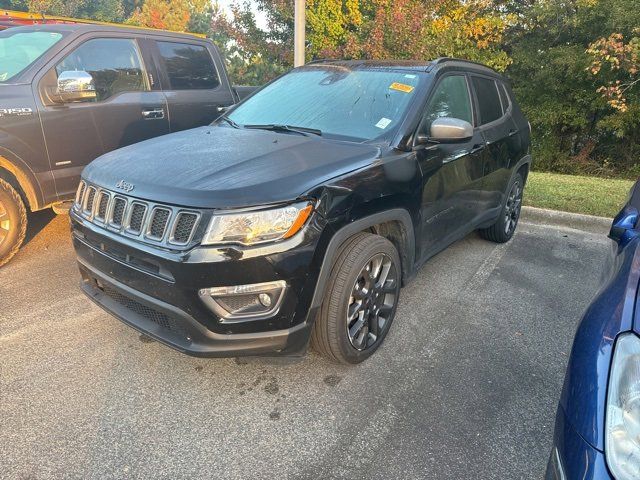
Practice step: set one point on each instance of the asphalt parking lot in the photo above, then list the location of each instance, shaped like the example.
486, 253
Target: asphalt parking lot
465, 385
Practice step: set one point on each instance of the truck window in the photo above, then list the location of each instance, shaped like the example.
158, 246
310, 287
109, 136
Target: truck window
19, 50
488, 99
188, 66
450, 99
114, 64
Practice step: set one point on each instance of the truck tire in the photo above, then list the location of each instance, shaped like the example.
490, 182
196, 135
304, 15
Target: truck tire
358, 307
505, 226
13, 221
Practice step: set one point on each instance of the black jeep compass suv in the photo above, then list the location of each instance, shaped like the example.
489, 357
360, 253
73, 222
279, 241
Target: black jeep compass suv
298, 215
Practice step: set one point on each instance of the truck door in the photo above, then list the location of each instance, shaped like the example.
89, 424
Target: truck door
194, 84
125, 111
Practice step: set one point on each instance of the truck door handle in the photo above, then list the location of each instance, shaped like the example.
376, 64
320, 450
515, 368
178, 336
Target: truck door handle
153, 114
512, 132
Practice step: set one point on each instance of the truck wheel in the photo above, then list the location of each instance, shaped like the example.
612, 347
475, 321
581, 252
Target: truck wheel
13, 221
360, 300
505, 226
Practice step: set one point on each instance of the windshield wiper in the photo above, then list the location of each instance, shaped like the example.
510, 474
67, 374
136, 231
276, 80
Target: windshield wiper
287, 128
229, 121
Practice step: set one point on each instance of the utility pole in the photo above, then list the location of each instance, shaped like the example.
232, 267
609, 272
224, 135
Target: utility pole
299, 34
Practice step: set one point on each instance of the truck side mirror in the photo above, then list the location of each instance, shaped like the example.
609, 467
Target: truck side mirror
75, 86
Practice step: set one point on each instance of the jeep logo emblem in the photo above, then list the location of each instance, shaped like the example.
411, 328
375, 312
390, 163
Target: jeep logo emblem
127, 187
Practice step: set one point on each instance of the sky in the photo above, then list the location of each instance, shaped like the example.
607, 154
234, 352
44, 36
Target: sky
259, 17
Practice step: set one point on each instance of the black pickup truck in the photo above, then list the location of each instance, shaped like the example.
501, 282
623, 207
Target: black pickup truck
70, 93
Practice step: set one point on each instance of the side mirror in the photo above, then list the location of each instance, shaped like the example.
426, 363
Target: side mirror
624, 225
75, 86
450, 130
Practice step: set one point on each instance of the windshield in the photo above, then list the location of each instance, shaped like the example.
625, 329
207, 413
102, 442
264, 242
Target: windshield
358, 104
18, 50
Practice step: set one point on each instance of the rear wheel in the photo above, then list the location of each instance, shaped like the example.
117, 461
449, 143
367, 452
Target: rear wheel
360, 301
13, 221
505, 226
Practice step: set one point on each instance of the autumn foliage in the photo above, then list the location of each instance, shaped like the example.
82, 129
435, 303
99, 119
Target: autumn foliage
574, 64
618, 57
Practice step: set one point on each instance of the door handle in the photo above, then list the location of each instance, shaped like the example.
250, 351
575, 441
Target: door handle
153, 114
513, 132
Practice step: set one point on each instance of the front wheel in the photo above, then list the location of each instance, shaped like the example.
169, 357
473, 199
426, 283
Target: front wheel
13, 222
505, 226
360, 300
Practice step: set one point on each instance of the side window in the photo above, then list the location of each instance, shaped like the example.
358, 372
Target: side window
450, 99
114, 64
488, 99
504, 96
188, 66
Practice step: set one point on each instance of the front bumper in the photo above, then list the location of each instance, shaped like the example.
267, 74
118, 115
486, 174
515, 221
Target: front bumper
572, 458
156, 291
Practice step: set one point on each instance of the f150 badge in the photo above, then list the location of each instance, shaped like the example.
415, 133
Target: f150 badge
15, 112
127, 187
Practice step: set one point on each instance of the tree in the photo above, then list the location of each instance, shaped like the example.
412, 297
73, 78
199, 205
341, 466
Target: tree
364, 29
574, 130
101, 10
621, 62
167, 14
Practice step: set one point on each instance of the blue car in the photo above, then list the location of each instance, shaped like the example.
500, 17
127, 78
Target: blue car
597, 433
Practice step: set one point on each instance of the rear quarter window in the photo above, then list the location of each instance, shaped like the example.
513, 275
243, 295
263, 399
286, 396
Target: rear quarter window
504, 96
489, 104
188, 66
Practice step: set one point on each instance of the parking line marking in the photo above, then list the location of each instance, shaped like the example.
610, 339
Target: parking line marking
488, 266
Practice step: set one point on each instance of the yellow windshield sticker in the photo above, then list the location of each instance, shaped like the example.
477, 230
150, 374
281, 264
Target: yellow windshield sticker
401, 87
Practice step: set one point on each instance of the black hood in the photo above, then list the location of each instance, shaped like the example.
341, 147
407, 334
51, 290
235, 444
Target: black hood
223, 167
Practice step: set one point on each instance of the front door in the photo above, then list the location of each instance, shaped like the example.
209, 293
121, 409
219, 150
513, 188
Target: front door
125, 111
452, 172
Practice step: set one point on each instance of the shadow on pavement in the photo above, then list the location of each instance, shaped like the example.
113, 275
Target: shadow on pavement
38, 221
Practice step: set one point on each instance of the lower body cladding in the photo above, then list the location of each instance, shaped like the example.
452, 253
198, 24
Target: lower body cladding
203, 302
572, 457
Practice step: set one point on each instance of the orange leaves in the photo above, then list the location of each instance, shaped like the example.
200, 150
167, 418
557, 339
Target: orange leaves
166, 14
620, 63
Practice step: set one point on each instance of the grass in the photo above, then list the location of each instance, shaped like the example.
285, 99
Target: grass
571, 193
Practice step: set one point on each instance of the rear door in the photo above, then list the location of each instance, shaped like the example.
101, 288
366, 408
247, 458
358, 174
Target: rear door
193, 82
127, 110
497, 128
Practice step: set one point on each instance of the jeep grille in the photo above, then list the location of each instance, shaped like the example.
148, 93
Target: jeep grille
147, 221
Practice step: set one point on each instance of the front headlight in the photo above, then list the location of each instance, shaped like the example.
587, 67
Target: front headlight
622, 439
257, 226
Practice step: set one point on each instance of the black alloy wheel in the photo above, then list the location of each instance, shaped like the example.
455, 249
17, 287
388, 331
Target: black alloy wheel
360, 299
512, 208
373, 298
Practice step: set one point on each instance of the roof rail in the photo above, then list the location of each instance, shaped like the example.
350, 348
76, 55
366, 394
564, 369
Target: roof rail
440, 60
320, 60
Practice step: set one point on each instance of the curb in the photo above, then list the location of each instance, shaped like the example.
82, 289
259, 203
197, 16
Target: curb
588, 223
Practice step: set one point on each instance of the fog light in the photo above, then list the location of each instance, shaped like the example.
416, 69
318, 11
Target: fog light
245, 302
265, 299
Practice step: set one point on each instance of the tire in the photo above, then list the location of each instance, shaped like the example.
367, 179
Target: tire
13, 222
351, 340
502, 231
